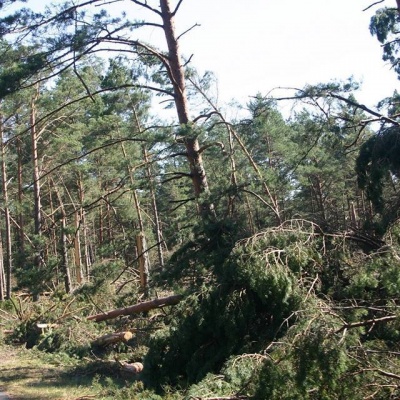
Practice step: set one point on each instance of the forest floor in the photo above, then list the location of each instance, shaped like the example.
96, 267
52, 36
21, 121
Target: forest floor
26, 375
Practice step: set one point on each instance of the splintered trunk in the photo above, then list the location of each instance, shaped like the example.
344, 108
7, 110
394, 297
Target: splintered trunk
143, 260
7, 217
177, 76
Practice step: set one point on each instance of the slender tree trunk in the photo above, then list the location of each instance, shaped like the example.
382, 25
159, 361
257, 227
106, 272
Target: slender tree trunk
157, 223
141, 244
231, 199
2, 271
64, 255
21, 222
101, 226
37, 217
77, 247
64, 265
7, 218
36, 172
86, 246
53, 230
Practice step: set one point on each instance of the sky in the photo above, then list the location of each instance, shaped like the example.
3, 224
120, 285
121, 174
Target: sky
255, 46
258, 45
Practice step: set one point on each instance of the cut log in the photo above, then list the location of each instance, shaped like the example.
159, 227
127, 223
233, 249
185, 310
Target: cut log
132, 369
137, 308
112, 338
129, 369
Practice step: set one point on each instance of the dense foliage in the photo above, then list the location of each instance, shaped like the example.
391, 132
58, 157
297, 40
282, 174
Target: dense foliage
280, 233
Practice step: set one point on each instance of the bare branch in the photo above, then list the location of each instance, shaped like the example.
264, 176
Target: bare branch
188, 30
261, 199
373, 4
181, 203
177, 175
108, 2
206, 146
206, 116
145, 5
118, 141
364, 108
367, 322
177, 7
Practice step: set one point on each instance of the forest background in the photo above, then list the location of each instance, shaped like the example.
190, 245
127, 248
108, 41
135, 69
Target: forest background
273, 236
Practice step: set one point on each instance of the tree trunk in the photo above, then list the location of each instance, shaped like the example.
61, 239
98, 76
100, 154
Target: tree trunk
137, 308
7, 218
176, 74
2, 272
77, 247
36, 174
157, 223
37, 217
64, 245
143, 260
64, 255
21, 222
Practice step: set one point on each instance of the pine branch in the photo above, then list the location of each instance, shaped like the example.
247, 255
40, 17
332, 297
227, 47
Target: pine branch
367, 322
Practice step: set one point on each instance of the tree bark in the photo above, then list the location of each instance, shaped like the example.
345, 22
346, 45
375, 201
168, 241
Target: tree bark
143, 261
37, 217
176, 74
21, 221
7, 218
77, 247
64, 245
137, 308
36, 173
157, 223
64, 255
2, 272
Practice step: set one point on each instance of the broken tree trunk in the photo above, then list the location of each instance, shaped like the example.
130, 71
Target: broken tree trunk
137, 308
129, 369
112, 338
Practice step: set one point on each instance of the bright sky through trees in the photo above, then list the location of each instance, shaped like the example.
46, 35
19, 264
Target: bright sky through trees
257, 45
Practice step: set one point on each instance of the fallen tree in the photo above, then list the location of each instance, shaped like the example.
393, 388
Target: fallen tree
137, 308
111, 338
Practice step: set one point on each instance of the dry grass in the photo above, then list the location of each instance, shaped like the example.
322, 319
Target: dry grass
24, 375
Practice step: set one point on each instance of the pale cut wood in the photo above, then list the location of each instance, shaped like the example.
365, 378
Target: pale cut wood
111, 338
132, 369
137, 308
